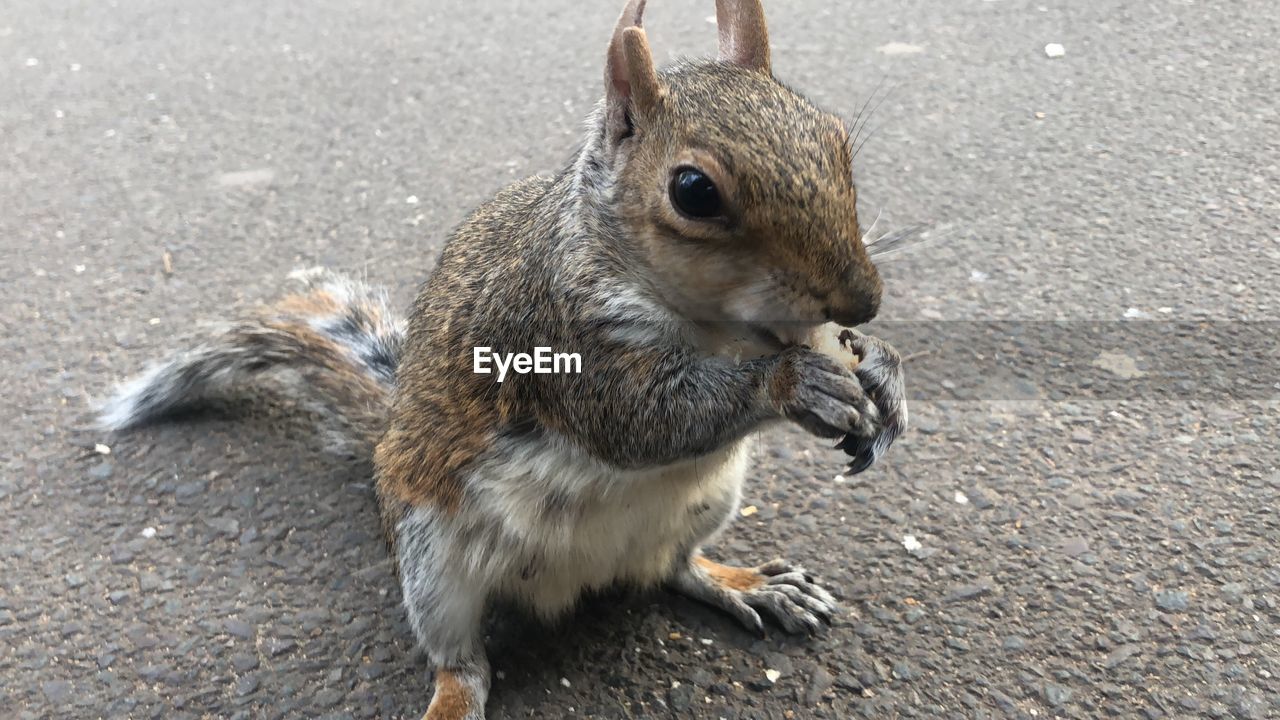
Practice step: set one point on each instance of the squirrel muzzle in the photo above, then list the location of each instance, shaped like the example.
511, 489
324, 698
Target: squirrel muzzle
858, 300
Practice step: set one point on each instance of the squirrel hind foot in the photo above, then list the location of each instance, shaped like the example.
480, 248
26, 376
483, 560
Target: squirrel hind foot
460, 694
782, 590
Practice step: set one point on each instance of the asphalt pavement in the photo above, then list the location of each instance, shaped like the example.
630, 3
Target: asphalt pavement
1082, 521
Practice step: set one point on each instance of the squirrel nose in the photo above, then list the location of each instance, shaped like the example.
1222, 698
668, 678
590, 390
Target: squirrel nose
854, 315
854, 307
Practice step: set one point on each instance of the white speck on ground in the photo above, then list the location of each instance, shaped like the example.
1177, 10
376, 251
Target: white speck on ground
911, 543
1054, 50
960, 498
899, 48
411, 200
148, 532
772, 675
564, 681
102, 449
245, 178
978, 276
1136, 314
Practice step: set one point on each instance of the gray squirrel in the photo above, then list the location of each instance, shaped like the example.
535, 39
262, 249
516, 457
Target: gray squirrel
689, 253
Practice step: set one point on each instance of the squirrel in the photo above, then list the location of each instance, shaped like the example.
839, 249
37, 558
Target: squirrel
689, 251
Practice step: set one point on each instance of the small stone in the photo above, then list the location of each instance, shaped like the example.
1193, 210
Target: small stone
970, 591
74, 581
102, 470
1119, 655
680, 698
1233, 592
772, 675
1075, 546
247, 685
279, 647
1250, 707
244, 663
820, 683
229, 527
1172, 600
1014, 643
238, 628
189, 490
903, 670
56, 691
1056, 695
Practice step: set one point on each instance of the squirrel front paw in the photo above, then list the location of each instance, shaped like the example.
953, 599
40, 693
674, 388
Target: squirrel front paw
880, 373
822, 396
782, 590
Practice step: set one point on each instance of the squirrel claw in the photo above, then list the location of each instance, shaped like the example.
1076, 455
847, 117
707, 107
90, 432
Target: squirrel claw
784, 591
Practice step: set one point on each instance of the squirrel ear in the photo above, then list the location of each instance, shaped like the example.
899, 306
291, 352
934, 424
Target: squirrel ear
744, 38
631, 83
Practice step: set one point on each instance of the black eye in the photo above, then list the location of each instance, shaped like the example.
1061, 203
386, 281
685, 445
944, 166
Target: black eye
694, 194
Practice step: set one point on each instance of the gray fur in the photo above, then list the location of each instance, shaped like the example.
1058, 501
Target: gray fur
269, 355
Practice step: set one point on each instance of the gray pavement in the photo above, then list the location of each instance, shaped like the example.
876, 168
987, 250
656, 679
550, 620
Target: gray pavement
1077, 552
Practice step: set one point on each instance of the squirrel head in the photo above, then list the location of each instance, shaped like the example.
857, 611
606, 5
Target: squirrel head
737, 191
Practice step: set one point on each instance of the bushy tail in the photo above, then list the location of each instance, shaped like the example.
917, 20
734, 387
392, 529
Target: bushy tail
330, 351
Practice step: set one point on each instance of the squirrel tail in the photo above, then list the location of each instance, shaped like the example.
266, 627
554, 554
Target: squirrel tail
329, 351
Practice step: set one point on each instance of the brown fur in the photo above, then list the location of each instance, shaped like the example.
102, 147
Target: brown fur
731, 578
445, 415
786, 168
452, 700
304, 305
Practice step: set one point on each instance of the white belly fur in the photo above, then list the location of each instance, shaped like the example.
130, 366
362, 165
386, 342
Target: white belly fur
570, 523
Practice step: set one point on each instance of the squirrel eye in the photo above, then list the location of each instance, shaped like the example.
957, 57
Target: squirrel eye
693, 194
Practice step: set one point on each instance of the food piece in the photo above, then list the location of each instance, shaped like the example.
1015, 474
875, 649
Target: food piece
836, 342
